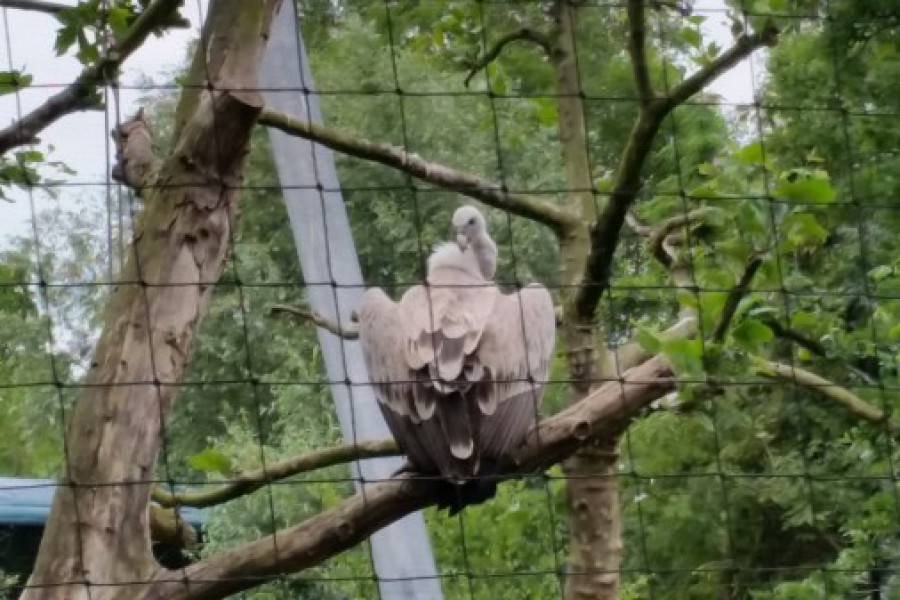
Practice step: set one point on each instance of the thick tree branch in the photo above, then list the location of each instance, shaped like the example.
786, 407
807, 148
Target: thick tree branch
309, 316
50, 8
603, 413
735, 296
526, 34
631, 354
605, 231
830, 390
77, 96
742, 48
96, 536
466, 184
637, 48
250, 481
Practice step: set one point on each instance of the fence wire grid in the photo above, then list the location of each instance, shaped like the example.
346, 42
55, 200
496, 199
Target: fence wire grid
758, 256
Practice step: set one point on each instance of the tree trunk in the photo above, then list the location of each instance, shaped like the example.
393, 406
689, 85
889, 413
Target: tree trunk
592, 488
97, 541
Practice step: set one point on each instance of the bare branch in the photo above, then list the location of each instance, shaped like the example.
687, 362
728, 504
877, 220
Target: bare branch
638, 50
792, 335
605, 231
743, 47
309, 316
136, 164
466, 184
637, 226
526, 34
735, 296
50, 8
250, 481
77, 96
661, 232
603, 413
796, 337
830, 390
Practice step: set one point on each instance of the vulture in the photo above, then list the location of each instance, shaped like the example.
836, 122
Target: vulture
459, 367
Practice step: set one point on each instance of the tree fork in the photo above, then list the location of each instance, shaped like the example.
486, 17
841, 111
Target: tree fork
97, 542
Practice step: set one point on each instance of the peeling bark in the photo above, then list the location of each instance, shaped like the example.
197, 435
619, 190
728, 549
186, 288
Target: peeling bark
591, 486
97, 540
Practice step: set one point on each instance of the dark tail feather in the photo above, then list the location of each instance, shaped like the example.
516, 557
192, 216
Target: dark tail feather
455, 497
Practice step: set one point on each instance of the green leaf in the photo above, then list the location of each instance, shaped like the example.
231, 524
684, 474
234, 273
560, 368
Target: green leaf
118, 18
803, 320
648, 339
211, 460
705, 191
686, 356
546, 111
881, 272
751, 154
707, 169
691, 36
751, 334
12, 81
893, 333
803, 230
30, 156
801, 185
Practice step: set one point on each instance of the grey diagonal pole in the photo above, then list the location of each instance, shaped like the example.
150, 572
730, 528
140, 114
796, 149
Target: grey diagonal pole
402, 554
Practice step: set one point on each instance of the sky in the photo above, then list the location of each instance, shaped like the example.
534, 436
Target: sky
81, 140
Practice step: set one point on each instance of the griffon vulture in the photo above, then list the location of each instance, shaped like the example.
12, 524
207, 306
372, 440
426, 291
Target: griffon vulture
459, 367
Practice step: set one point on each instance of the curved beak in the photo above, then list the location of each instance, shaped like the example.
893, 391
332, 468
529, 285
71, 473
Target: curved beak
462, 241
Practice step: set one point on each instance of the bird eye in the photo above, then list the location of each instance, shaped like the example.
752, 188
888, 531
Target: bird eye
472, 221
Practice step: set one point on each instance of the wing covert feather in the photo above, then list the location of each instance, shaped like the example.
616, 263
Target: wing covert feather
517, 346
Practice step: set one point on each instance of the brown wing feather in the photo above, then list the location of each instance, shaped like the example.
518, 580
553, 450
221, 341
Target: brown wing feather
419, 356
515, 352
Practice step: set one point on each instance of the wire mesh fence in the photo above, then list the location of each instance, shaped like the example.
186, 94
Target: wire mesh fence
707, 189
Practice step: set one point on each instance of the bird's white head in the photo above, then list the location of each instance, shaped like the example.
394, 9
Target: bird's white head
468, 226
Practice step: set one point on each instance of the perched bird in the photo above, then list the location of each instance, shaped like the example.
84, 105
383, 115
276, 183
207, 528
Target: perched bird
471, 233
459, 367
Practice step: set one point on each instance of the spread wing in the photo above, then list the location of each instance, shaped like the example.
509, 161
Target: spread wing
515, 353
419, 353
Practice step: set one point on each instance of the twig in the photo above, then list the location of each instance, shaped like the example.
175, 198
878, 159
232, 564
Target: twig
735, 296
603, 413
833, 391
525, 34
605, 231
76, 96
303, 314
50, 8
638, 51
466, 184
250, 481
